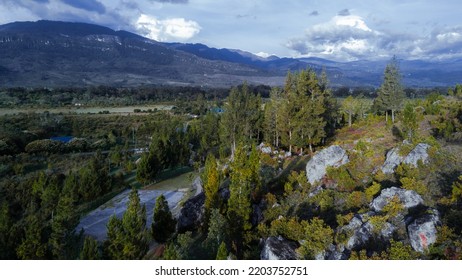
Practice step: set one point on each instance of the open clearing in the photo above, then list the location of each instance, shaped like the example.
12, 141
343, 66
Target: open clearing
85, 110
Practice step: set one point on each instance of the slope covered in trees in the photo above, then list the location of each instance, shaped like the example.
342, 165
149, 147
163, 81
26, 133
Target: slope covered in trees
250, 153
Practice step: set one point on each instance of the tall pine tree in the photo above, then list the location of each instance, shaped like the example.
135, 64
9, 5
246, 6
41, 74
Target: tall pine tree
244, 180
211, 182
163, 223
127, 238
390, 94
242, 118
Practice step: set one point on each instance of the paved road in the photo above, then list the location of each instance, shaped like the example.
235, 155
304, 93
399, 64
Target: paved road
95, 222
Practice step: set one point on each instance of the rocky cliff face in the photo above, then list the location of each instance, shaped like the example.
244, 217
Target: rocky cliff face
49, 53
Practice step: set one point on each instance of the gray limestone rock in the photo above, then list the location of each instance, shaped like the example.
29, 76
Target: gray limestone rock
361, 231
408, 198
316, 168
392, 160
420, 152
191, 214
278, 248
423, 231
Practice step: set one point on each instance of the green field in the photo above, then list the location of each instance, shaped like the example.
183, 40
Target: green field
86, 110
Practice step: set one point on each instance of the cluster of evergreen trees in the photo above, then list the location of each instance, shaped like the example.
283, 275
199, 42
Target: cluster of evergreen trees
301, 114
39, 215
169, 148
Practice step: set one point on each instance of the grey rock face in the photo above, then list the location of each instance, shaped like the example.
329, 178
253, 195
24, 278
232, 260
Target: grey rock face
418, 153
392, 161
408, 198
336, 253
191, 214
333, 156
278, 248
393, 158
422, 231
362, 231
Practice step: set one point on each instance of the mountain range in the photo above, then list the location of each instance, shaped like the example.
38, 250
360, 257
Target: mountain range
51, 54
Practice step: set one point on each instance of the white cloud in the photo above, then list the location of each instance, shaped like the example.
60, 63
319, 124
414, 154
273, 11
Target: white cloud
347, 38
351, 21
341, 38
263, 54
173, 29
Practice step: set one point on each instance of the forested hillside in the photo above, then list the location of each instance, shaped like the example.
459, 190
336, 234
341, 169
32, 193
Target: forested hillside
295, 174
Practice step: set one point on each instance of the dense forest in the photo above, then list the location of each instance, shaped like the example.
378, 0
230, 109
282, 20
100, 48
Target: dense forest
252, 148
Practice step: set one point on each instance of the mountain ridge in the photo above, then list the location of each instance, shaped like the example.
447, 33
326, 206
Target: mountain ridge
56, 53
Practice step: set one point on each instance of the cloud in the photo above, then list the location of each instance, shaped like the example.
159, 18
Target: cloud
347, 38
172, 29
263, 54
344, 13
343, 38
314, 13
172, 1
41, 1
88, 5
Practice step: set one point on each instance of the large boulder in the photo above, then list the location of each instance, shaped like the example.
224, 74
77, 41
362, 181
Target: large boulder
423, 231
278, 248
392, 160
360, 232
264, 149
192, 213
420, 152
408, 198
336, 253
316, 168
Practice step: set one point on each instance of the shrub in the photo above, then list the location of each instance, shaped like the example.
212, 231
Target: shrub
342, 177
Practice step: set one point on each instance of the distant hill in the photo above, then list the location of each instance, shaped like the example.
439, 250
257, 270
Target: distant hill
51, 53
47, 53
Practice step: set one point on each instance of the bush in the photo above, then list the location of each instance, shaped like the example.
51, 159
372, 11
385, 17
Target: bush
45, 146
289, 229
342, 177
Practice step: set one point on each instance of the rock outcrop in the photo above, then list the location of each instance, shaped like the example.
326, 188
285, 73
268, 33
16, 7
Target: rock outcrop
408, 198
423, 231
191, 214
278, 248
361, 231
264, 149
316, 168
420, 152
393, 159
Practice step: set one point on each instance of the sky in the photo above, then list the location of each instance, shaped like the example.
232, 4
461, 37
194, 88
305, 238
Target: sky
334, 29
